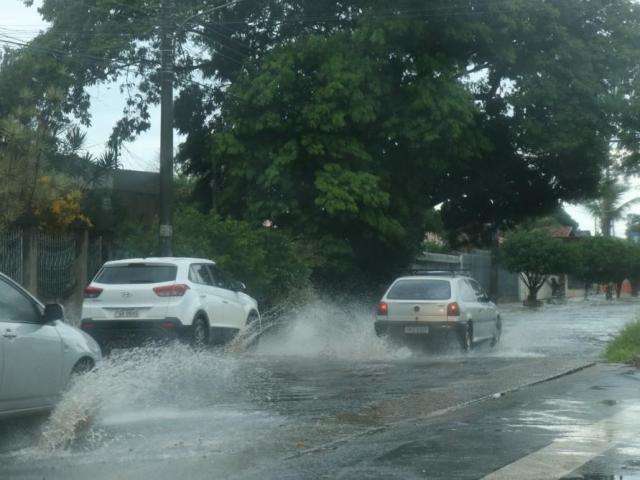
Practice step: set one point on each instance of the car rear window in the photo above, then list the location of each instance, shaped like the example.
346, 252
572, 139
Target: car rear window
137, 273
419, 289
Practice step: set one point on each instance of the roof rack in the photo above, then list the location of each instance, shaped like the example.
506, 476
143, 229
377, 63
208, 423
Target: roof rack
444, 273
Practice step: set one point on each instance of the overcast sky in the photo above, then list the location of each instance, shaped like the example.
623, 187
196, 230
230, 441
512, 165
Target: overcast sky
144, 152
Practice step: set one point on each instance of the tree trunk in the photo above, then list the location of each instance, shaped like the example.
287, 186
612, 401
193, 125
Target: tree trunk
618, 289
532, 298
608, 294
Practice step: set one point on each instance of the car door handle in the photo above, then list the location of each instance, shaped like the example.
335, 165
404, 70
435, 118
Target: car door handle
225, 301
203, 295
9, 334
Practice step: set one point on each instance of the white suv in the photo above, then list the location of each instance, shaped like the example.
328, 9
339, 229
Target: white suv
136, 300
432, 305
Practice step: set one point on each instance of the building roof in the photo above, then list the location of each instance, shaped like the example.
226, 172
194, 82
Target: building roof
135, 181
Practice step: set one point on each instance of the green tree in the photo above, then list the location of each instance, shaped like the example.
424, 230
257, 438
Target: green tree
535, 255
609, 206
314, 142
606, 261
45, 173
349, 137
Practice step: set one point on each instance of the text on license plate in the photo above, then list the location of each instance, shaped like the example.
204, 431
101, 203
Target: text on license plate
126, 313
420, 329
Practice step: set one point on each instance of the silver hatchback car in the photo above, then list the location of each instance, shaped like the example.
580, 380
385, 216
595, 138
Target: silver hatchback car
38, 351
436, 305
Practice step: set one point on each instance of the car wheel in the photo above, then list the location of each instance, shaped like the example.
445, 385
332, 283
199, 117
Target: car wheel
496, 336
82, 366
253, 329
466, 339
252, 319
200, 333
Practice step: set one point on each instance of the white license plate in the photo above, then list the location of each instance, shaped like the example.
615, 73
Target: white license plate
126, 313
418, 330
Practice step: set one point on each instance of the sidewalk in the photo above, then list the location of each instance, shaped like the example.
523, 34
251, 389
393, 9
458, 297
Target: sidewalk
581, 426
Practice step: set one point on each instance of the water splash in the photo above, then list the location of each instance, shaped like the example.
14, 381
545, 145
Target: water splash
327, 330
137, 380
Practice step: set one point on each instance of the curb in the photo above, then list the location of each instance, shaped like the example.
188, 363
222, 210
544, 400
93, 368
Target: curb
437, 413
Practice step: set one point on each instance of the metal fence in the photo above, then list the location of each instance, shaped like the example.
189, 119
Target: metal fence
11, 254
53, 266
56, 254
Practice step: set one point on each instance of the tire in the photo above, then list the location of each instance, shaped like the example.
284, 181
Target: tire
200, 333
252, 319
466, 338
82, 366
496, 337
253, 329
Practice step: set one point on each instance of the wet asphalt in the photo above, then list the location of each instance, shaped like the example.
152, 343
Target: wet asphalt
324, 398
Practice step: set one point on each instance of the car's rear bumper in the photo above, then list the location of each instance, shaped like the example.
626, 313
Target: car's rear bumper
127, 333
393, 328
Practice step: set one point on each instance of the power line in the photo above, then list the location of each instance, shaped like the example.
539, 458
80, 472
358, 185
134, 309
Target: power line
207, 11
7, 39
426, 12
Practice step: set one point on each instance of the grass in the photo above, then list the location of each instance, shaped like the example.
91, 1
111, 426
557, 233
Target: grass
625, 347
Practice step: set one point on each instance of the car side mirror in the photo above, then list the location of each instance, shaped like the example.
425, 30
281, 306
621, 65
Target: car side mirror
52, 312
239, 287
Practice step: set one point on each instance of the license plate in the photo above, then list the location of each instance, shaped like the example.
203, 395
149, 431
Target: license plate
126, 313
418, 330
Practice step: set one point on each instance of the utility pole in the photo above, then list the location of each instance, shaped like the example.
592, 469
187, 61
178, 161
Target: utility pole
166, 130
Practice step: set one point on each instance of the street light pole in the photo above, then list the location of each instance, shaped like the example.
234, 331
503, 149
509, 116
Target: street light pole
166, 131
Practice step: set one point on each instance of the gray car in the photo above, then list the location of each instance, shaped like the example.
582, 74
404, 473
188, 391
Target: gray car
38, 351
436, 307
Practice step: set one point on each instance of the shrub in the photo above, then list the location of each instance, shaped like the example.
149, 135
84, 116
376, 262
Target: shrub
272, 264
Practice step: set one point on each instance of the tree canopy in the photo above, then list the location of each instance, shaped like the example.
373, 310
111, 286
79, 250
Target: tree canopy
605, 260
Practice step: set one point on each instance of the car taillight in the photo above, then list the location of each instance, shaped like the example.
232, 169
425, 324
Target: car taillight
92, 292
453, 309
176, 290
168, 325
383, 308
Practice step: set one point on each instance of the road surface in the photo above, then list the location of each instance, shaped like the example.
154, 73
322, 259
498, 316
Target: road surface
322, 398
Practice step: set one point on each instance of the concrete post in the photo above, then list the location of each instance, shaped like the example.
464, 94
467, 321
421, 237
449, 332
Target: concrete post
81, 270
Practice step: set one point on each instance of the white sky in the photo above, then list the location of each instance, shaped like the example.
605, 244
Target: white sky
144, 152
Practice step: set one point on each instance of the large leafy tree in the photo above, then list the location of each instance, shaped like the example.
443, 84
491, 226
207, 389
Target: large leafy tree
332, 139
532, 128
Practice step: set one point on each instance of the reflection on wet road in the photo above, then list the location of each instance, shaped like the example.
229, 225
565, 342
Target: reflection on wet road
316, 382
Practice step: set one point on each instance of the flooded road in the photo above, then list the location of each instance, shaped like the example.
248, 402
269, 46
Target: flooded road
314, 384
